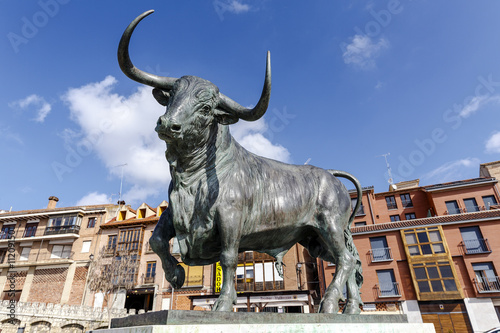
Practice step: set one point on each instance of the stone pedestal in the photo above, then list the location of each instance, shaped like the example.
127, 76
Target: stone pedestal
234, 322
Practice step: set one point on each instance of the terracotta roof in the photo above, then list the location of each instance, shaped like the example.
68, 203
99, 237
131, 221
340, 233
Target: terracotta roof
59, 209
132, 221
487, 214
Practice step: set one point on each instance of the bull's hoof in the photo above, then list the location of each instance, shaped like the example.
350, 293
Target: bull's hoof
352, 307
223, 304
177, 279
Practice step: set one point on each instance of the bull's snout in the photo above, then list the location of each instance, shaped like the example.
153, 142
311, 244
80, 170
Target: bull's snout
167, 129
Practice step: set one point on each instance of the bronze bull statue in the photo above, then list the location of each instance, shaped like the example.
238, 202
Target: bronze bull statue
224, 200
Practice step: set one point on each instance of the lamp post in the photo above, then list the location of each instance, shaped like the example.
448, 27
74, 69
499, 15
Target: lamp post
91, 261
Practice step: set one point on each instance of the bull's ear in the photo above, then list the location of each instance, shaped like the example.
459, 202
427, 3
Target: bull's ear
162, 96
223, 117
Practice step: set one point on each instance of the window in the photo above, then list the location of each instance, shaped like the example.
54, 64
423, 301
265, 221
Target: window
86, 246
129, 239
486, 279
489, 200
161, 209
361, 209
61, 252
406, 200
122, 215
379, 251
151, 269
3, 254
473, 241
63, 224
194, 276
434, 277
423, 241
141, 213
150, 272
410, 216
391, 202
471, 205
112, 242
395, 218
30, 229
452, 207
25, 253
359, 224
91, 222
7, 232
387, 285
257, 272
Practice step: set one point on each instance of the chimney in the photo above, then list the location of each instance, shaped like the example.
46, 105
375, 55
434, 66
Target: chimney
52, 202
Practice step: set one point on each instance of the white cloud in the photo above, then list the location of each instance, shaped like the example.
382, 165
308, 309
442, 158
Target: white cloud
451, 171
493, 143
120, 129
251, 136
39, 103
362, 51
237, 7
93, 198
476, 103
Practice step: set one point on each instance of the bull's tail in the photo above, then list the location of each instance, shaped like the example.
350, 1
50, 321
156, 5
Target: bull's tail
349, 243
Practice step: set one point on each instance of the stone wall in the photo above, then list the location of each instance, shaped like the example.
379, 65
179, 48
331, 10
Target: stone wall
56, 318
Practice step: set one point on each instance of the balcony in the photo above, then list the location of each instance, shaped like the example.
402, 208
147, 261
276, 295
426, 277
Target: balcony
487, 285
392, 205
475, 246
407, 204
63, 229
148, 279
39, 257
390, 289
381, 254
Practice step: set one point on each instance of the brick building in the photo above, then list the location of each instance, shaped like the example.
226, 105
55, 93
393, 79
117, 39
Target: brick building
44, 259
430, 251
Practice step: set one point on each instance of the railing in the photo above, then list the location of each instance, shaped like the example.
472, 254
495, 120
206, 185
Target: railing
381, 254
63, 229
392, 205
487, 285
474, 246
454, 211
65, 255
109, 250
390, 289
148, 279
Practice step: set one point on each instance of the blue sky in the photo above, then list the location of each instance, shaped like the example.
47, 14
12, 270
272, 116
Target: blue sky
352, 80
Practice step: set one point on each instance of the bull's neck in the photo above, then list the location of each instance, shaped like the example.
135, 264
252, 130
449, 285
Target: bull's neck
190, 164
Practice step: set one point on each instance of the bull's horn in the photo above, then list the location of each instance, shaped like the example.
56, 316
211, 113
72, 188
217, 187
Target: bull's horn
258, 111
130, 70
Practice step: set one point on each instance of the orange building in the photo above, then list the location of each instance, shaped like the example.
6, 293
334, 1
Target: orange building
430, 251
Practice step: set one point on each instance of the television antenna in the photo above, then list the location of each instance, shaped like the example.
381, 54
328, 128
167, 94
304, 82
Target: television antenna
390, 180
121, 181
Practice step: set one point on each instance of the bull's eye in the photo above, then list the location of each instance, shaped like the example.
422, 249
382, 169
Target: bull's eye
205, 109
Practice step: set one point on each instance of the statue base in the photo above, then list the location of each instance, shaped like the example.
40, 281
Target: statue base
233, 322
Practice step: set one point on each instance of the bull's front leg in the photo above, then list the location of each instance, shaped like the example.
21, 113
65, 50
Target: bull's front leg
230, 231
160, 243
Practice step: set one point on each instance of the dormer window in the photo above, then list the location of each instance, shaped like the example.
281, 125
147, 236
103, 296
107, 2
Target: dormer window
122, 215
141, 213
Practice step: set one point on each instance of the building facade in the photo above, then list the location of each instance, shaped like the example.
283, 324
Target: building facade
430, 252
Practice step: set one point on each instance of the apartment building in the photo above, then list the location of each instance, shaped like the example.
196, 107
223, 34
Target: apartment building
430, 251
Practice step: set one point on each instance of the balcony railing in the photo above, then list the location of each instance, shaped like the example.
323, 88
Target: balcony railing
474, 246
148, 279
407, 204
381, 254
487, 285
62, 229
390, 289
37, 257
392, 205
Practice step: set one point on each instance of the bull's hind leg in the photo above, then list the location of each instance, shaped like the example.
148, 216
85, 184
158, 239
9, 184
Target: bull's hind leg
159, 241
332, 236
353, 296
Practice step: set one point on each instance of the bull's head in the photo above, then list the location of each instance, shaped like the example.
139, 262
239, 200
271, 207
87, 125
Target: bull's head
192, 102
